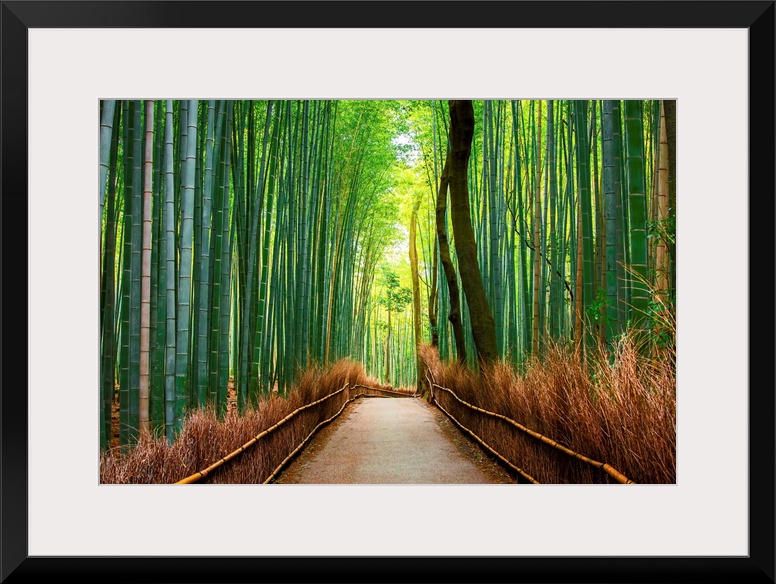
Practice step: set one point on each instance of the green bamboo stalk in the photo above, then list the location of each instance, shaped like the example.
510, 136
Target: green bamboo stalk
228, 243
302, 271
662, 267
255, 199
623, 235
537, 234
170, 288
108, 337
216, 251
106, 132
314, 284
259, 344
290, 252
599, 284
124, 267
556, 291
501, 227
415, 295
183, 358
586, 218
252, 244
133, 403
637, 211
204, 270
241, 237
144, 393
494, 261
610, 205
520, 223
158, 279
196, 254
272, 345
566, 223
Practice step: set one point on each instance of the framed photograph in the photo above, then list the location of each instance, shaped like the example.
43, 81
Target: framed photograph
715, 58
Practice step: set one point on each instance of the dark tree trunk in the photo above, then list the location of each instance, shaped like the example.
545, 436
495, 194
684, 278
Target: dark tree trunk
483, 326
447, 264
433, 308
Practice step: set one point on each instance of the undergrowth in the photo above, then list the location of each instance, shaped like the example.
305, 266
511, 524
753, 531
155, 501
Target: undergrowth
618, 407
204, 439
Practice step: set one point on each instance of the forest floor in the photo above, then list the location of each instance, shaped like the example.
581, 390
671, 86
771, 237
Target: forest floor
382, 440
393, 441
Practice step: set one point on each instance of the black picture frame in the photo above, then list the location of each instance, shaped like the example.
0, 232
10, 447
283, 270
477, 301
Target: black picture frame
757, 17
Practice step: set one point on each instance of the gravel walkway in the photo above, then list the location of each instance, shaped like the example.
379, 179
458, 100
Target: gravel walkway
392, 441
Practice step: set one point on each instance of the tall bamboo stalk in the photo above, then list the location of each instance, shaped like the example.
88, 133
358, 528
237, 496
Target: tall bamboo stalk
108, 303
661, 255
145, 282
252, 244
610, 205
637, 211
415, 293
183, 356
204, 260
135, 300
106, 132
170, 276
537, 222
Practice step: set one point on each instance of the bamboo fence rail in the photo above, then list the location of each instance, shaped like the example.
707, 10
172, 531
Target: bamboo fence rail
607, 468
204, 472
392, 391
522, 473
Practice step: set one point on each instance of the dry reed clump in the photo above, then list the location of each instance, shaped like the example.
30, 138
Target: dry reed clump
205, 439
618, 409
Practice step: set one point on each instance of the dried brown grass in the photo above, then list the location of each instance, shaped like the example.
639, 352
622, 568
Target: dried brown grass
618, 409
204, 439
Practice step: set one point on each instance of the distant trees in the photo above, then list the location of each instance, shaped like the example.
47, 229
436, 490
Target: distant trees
394, 298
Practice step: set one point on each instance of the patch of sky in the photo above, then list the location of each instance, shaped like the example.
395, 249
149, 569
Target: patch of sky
407, 149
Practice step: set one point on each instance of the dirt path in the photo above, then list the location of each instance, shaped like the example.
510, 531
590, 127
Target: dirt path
392, 441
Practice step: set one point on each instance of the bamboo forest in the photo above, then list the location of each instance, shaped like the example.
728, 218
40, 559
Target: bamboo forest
505, 265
